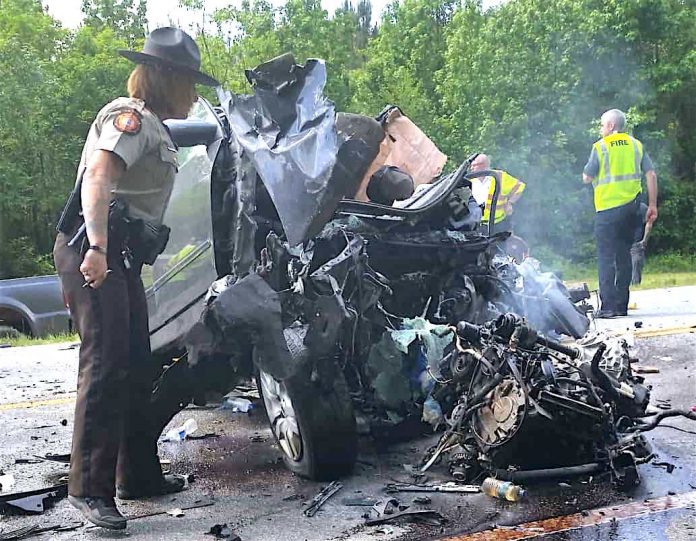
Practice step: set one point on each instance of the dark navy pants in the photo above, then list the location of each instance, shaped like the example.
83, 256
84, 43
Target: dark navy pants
614, 232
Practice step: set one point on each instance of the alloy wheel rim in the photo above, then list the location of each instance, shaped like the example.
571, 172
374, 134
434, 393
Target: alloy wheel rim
281, 414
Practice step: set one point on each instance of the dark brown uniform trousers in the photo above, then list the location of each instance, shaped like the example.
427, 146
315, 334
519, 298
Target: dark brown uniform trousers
113, 435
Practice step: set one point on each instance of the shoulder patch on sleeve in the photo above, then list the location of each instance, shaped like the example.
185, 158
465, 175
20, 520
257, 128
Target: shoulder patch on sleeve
128, 121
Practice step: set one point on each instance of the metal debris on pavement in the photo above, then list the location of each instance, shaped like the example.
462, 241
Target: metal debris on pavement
390, 509
32, 501
666, 465
19, 533
444, 487
321, 498
36, 529
647, 370
206, 436
359, 502
63, 458
195, 505
223, 531
177, 512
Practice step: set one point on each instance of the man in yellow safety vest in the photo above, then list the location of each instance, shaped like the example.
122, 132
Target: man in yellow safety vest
482, 189
615, 169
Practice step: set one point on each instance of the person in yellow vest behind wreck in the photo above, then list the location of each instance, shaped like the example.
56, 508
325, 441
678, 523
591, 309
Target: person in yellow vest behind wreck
482, 189
111, 225
615, 169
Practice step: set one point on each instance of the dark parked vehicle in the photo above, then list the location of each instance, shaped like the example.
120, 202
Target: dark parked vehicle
34, 306
341, 309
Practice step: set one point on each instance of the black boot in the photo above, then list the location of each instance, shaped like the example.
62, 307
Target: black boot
167, 484
100, 511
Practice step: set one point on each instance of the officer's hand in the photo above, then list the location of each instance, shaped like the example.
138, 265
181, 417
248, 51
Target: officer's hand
651, 215
94, 268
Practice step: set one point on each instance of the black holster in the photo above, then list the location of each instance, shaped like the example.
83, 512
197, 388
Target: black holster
146, 240
139, 241
142, 240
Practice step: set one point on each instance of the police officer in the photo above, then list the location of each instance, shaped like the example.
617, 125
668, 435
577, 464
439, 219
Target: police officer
128, 156
615, 168
483, 189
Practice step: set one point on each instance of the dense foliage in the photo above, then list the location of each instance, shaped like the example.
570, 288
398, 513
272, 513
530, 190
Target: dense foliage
525, 82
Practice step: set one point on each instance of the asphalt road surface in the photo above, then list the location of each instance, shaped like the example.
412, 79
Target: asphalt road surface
239, 479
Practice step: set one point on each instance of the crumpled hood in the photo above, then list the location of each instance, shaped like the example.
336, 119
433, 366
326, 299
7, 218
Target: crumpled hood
287, 130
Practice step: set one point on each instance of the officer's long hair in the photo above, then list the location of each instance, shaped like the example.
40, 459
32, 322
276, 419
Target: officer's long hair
167, 92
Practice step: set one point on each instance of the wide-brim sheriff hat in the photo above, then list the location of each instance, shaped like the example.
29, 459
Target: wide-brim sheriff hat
172, 48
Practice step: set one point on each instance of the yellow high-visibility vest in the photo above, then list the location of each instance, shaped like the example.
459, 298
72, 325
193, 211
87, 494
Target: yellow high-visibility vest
509, 186
618, 180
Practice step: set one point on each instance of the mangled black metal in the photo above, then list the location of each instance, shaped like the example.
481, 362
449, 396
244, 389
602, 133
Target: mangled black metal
248, 308
32, 501
287, 129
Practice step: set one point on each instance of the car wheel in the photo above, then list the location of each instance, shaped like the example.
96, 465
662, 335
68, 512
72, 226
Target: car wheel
9, 332
312, 420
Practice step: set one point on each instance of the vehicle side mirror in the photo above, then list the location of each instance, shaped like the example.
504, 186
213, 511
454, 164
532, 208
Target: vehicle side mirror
191, 132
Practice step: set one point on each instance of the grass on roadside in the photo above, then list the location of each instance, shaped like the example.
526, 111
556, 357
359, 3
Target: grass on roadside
660, 271
24, 340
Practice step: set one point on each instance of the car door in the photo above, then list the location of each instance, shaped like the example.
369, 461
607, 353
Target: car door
180, 277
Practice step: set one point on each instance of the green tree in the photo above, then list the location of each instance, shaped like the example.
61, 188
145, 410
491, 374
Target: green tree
403, 59
127, 19
54, 82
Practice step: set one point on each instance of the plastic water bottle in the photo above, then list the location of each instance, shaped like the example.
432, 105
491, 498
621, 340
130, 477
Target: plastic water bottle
503, 490
180, 433
238, 404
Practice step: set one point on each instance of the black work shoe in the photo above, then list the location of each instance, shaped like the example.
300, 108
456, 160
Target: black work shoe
100, 511
605, 314
167, 484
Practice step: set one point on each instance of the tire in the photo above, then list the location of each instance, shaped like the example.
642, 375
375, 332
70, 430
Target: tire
323, 441
9, 332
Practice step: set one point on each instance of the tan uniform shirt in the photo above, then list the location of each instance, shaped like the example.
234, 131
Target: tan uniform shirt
137, 136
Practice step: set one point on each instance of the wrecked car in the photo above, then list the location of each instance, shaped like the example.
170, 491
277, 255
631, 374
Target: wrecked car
343, 309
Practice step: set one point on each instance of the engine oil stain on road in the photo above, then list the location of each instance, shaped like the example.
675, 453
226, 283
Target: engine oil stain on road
577, 521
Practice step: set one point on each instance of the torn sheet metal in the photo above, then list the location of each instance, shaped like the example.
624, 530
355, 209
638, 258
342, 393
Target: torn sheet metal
33, 501
247, 311
287, 129
390, 510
